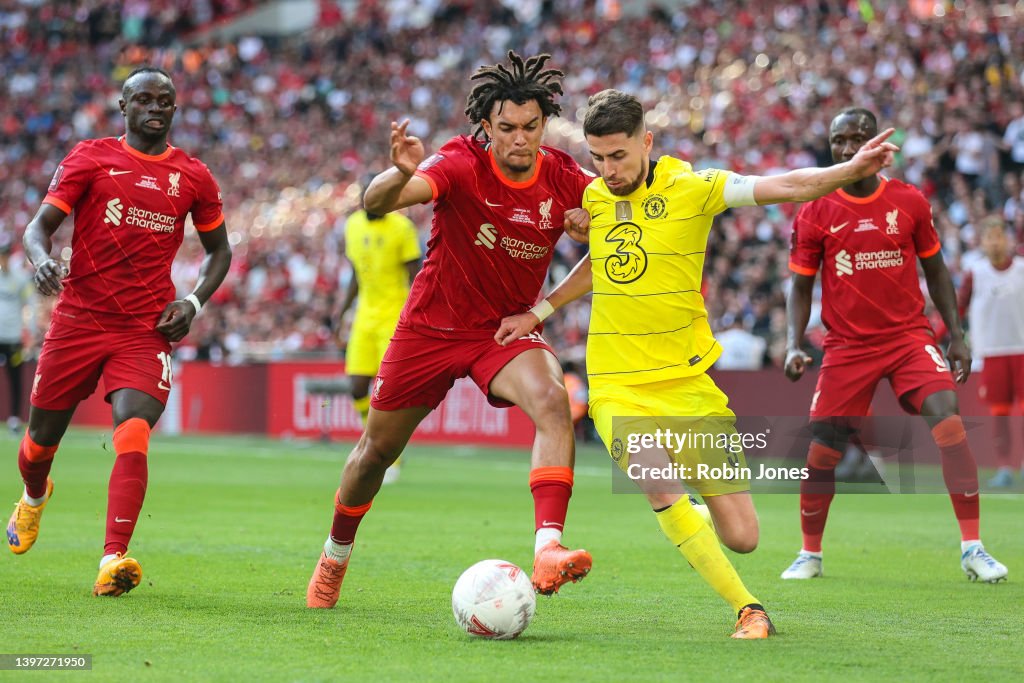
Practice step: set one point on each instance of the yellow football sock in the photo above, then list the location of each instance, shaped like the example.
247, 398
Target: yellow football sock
685, 528
363, 406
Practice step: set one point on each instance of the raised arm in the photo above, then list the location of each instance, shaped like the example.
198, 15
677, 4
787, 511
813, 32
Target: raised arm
577, 283
805, 184
38, 242
398, 186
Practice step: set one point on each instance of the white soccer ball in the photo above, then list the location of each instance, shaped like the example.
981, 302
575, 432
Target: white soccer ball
493, 599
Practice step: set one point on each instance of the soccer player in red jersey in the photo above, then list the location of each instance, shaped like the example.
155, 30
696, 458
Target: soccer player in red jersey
117, 313
867, 238
500, 204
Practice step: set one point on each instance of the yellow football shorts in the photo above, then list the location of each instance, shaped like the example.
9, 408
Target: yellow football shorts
367, 343
688, 417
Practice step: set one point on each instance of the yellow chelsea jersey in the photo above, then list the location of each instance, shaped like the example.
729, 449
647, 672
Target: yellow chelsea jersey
379, 250
648, 322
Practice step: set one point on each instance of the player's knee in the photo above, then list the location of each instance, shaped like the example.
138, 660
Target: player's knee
739, 533
378, 452
549, 405
743, 543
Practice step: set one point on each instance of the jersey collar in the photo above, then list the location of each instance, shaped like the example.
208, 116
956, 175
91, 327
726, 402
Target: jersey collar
521, 184
882, 182
145, 157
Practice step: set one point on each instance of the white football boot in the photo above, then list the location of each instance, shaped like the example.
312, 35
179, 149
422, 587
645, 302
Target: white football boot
805, 566
980, 566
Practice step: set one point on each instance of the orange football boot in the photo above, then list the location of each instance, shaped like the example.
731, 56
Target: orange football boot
556, 565
753, 624
118, 576
325, 584
23, 527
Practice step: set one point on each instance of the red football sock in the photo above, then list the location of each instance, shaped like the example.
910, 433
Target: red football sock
960, 472
816, 493
128, 480
35, 461
551, 488
346, 520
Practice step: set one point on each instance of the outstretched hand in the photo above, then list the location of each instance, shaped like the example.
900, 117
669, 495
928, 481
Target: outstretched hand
874, 155
176, 320
515, 326
406, 150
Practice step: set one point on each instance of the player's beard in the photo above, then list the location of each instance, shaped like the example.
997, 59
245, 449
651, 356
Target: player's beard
629, 188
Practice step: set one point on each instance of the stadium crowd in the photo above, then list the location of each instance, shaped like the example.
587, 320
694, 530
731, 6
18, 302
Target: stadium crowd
292, 127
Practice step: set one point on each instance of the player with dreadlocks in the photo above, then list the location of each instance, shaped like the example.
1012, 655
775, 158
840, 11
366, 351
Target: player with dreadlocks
501, 202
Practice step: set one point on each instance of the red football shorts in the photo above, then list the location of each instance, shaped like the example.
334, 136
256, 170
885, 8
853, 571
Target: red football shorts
1002, 383
73, 360
913, 364
418, 370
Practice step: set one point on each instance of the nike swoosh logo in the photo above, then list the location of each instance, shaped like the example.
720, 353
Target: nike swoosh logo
970, 495
555, 524
121, 521
162, 386
805, 513
836, 228
488, 203
113, 172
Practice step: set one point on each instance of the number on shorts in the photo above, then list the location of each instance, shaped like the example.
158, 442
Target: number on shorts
165, 374
940, 362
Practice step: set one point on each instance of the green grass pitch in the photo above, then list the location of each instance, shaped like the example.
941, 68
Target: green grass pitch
233, 527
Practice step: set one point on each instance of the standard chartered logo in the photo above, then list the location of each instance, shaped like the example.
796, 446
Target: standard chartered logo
139, 218
844, 264
487, 235
115, 211
868, 260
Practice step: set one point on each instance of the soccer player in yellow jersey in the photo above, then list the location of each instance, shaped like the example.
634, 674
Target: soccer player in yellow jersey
385, 255
650, 345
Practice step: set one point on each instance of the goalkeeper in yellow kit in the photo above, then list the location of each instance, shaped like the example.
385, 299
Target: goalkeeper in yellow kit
385, 255
650, 345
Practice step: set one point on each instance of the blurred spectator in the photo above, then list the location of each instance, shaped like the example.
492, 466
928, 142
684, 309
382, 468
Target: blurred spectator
290, 125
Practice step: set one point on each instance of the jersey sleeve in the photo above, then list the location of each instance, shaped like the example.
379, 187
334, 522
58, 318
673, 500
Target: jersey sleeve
709, 199
207, 210
926, 239
71, 179
409, 246
805, 247
443, 170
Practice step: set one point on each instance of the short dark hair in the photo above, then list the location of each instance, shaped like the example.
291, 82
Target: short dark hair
613, 111
519, 82
856, 111
144, 70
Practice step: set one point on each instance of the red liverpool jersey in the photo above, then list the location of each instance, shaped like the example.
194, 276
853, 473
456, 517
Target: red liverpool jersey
130, 213
868, 248
491, 239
